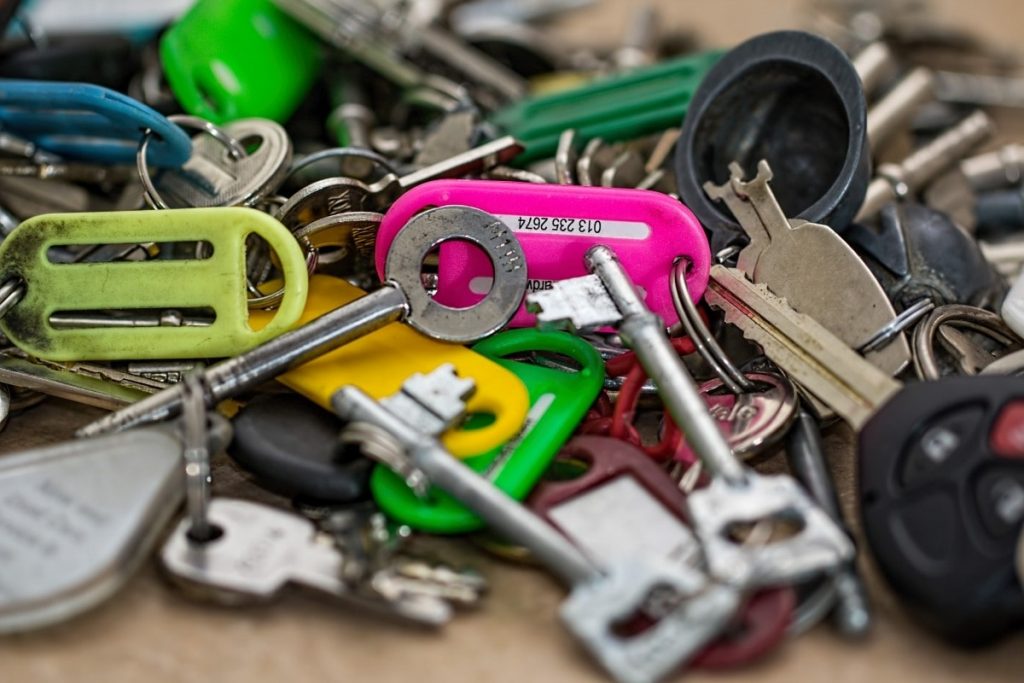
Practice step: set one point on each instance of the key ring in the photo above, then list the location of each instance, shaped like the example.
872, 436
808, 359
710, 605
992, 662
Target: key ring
150, 193
262, 301
197, 460
926, 361
341, 153
698, 331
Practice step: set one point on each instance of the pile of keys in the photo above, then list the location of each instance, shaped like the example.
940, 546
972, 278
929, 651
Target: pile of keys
418, 270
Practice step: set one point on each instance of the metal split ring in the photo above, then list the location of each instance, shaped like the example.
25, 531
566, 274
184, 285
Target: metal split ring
926, 361
150, 193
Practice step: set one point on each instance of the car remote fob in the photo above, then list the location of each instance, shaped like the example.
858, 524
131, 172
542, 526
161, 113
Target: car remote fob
942, 499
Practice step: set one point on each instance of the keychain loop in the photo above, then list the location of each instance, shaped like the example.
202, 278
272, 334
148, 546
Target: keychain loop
11, 292
150, 193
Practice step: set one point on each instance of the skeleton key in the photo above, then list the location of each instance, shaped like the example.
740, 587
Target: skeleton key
736, 494
692, 609
624, 504
260, 549
402, 297
77, 519
802, 262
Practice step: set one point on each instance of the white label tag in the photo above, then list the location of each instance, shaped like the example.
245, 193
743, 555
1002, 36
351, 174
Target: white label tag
593, 227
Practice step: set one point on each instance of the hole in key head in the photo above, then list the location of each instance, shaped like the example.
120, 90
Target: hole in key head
479, 282
478, 420
764, 531
203, 536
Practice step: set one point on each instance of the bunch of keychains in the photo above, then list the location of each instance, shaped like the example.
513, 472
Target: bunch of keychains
421, 268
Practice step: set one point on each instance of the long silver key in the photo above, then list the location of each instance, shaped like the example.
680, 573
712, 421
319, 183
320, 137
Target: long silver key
692, 609
338, 195
402, 297
736, 495
812, 356
810, 266
77, 519
260, 549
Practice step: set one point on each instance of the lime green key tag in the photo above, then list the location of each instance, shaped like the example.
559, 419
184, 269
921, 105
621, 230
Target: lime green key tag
236, 59
643, 101
558, 401
159, 308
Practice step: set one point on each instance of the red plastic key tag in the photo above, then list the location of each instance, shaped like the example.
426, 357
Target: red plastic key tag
556, 224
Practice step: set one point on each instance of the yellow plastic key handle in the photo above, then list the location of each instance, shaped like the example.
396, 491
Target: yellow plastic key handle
216, 282
380, 362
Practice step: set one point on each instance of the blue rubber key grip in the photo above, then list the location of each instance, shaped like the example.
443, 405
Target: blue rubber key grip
89, 123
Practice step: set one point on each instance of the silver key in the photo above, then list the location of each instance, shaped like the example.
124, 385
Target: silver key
261, 549
601, 597
86, 383
402, 297
810, 266
812, 356
212, 177
736, 494
77, 519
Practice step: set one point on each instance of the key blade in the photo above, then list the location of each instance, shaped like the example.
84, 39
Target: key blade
580, 303
811, 355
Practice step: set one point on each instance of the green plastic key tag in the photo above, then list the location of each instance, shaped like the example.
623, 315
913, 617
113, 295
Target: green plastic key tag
558, 401
235, 59
152, 309
617, 108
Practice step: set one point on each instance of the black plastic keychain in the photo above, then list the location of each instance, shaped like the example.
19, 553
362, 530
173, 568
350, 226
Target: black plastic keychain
291, 445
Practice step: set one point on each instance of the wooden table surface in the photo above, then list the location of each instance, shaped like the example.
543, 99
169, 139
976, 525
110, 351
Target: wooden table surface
148, 632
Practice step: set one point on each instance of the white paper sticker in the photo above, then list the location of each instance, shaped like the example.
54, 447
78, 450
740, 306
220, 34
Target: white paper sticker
587, 227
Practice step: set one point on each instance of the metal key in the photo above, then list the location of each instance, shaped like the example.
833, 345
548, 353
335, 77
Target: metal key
692, 610
213, 176
402, 297
812, 356
803, 263
736, 495
338, 195
261, 549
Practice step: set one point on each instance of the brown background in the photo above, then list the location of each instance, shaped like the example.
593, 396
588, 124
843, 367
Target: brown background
148, 632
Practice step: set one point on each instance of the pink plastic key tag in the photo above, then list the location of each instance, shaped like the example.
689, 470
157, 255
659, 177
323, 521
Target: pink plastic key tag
556, 224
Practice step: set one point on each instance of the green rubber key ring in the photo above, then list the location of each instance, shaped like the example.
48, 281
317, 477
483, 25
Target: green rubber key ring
101, 291
623, 107
558, 401
235, 59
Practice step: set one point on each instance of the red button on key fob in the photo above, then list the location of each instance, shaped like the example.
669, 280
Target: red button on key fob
1007, 438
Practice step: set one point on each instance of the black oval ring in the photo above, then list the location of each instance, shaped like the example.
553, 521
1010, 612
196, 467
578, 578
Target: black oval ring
784, 96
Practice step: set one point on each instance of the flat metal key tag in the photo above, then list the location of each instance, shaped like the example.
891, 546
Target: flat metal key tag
89, 122
501, 394
558, 401
77, 519
161, 308
556, 225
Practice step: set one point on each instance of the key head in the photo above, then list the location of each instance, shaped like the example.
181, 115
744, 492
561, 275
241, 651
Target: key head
291, 445
941, 487
258, 551
427, 231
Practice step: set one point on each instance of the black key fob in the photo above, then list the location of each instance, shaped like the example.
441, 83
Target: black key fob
291, 445
942, 501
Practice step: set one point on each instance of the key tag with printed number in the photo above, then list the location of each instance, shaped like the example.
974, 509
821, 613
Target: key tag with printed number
556, 225
622, 505
78, 518
558, 401
89, 123
381, 361
941, 486
158, 308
